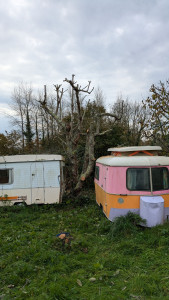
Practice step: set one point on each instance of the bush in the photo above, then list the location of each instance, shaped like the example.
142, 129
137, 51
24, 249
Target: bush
126, 225
86, 197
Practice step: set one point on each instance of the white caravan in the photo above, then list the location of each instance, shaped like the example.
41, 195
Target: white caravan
31, 179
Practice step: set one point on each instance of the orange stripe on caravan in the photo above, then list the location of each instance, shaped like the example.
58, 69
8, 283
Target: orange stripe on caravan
8, 198
109, 201
166, 200
146, 152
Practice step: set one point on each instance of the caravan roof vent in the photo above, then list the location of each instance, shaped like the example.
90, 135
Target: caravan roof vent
135, 150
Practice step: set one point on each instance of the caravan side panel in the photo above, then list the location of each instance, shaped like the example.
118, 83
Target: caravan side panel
36, 182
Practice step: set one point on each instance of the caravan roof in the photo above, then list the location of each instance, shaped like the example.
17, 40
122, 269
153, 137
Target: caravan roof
135, 148
30, 158
133, 160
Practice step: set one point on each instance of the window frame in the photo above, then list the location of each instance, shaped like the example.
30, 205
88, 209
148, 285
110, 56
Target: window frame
139, 190
97, 173
10, 176
161, 167
150, 179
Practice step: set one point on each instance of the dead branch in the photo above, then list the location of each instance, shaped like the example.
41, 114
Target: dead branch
111, 115
59, 94
103, 133
78, 89
54, 116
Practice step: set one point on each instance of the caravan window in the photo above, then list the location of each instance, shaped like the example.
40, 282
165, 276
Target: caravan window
138, 179
6, 176
160, 179
97, 172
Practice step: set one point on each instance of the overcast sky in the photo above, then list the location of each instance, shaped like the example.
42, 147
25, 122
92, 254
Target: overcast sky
120, 45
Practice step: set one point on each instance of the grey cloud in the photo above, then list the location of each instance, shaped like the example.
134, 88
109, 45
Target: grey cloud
120, 45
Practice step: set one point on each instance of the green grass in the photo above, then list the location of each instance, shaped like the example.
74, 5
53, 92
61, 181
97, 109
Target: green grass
106, 260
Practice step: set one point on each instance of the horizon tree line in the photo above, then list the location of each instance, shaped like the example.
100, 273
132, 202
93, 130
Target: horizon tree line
73, 121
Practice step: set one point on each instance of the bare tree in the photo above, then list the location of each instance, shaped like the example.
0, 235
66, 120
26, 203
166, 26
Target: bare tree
22, 105
157, 103
17, 106
78, 126
133, 121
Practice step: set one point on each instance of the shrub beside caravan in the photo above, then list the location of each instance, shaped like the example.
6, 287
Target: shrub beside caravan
31, 179
133, 179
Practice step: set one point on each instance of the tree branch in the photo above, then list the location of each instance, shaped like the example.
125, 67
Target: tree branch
103, 133
56, 118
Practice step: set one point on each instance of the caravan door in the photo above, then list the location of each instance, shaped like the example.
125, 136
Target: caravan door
37, 183
105, 171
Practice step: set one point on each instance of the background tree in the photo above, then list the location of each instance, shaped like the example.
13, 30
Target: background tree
10, 143
17, 106
133, 122
157, 127
23, 103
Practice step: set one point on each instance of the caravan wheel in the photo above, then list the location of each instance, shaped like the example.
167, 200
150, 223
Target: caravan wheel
20, 204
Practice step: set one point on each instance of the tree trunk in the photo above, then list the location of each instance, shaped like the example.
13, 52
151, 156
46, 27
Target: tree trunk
88, 161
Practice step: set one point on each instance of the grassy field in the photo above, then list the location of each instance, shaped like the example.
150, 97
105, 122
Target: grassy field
105, 261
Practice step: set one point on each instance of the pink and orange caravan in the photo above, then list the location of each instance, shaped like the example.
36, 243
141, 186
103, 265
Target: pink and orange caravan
133, 179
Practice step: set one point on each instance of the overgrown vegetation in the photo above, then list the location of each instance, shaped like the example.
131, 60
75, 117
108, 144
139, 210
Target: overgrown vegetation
106, 260
126, 225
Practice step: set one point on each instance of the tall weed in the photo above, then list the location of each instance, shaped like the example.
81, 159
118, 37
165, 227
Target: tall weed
126, 225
